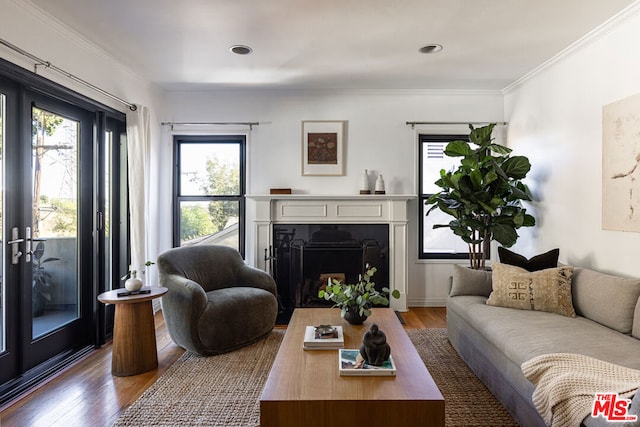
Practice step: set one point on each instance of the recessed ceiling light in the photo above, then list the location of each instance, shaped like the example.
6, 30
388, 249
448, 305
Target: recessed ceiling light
430, 48
241, 49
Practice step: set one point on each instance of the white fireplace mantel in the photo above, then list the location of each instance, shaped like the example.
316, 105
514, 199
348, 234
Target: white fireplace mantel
391, 209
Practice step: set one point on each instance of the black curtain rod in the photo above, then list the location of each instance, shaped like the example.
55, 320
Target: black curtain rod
172, 124
414, 124
47, 64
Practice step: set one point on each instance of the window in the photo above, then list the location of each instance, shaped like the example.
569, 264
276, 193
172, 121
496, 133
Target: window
438, 243
209, 190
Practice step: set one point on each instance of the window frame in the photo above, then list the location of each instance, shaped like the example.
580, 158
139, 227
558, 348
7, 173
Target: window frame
26, 90
424, 138
241, 140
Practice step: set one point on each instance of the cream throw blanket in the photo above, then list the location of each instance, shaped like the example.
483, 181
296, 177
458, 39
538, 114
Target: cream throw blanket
566, 385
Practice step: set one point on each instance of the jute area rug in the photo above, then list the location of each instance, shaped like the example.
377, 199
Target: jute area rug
225, 390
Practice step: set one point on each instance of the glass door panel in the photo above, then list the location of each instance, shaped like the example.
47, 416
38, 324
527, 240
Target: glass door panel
3, 320
55, 293
108, 188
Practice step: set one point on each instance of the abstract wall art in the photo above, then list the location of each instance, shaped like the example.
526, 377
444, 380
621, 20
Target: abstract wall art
621, 165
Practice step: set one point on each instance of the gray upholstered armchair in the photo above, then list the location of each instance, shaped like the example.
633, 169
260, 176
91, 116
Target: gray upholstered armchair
216, 303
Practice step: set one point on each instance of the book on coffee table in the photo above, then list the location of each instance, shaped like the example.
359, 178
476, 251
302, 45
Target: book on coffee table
323, 337
351, 362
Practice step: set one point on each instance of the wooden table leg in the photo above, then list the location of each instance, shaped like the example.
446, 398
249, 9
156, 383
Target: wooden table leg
134, 339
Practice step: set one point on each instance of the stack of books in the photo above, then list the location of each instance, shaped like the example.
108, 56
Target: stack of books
351, 362
323, 337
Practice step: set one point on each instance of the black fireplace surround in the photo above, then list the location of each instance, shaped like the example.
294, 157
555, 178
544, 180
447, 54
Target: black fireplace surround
304, 256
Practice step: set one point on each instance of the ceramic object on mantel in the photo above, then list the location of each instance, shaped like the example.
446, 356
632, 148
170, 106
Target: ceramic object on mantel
379, 185
364, 183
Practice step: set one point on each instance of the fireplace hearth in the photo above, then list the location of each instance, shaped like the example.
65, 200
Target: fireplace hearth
306, 256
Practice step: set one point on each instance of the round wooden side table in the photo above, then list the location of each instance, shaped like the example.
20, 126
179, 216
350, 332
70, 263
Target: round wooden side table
134, 333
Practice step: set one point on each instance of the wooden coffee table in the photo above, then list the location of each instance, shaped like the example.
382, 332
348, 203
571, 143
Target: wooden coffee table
305, 388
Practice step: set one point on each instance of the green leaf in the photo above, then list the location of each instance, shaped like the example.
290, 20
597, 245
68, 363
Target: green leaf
518, 219
519, 194
505, 234
529, 221
469, 163
487, 208
448, 210
516, 167
457, 149
453, 180
476, 179
395, 294
500, 149
497, 169
490, 177
496, 202
482, 135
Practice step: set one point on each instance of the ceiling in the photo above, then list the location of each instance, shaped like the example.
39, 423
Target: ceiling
333, 44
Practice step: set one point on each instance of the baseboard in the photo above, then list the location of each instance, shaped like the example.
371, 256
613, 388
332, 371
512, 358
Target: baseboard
426, 302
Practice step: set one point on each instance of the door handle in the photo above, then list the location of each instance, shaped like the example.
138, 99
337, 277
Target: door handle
27, 244
15, 242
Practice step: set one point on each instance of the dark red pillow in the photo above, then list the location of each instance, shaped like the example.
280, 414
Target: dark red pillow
536, 263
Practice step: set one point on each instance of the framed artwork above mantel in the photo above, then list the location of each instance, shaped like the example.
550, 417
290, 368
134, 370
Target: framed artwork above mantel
323, 147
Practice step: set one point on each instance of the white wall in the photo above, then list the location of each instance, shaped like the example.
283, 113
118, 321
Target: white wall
378, 139
555, 118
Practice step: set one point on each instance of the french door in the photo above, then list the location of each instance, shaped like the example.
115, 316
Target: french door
48, 223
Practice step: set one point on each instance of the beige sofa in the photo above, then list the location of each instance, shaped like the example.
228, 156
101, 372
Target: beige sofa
495, 341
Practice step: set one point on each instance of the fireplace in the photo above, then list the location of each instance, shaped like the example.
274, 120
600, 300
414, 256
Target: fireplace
279, 219
305, 256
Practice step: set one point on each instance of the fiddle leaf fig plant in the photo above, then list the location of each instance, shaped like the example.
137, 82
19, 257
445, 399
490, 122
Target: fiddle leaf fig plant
359, 297
484, 194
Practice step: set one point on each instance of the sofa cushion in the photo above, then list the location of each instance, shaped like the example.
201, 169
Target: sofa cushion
467, 281
545, 290
536, 263
607, 299
522, 334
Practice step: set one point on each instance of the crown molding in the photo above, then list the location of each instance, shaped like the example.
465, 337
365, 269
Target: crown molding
342, 91
65, 32
591, 37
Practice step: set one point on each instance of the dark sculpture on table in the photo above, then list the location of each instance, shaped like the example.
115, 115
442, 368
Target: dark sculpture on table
374, 348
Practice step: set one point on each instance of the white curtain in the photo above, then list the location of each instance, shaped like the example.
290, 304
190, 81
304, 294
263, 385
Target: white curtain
138, 152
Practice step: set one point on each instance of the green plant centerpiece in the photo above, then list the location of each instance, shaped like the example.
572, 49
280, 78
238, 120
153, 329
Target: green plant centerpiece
484, 194
356, 300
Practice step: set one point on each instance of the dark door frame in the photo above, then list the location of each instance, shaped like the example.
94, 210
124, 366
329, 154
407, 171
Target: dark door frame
23, 86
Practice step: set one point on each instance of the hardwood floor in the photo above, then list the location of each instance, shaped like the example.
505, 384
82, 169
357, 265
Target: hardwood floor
86, 394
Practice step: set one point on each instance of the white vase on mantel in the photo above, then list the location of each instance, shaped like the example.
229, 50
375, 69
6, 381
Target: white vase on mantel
379, 185
364, 183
